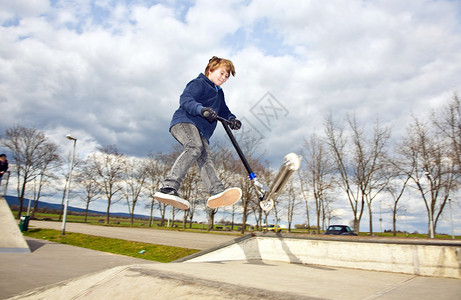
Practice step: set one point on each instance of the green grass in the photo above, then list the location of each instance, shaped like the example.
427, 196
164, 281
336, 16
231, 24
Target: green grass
125, 222
202, 228
118, 221
152, 252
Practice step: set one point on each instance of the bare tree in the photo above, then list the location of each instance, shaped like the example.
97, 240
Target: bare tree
448, 122
328, 212
156, 168
373, 164
358, 164
29, 150
431, 168
87, 181
318, 174
292, 203
47, 171
109, 167
396, 188
266, 176
134, 179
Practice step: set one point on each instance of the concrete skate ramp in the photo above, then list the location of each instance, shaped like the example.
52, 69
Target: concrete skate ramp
160, 281
11, 238
246, 280
427, 257
269, 266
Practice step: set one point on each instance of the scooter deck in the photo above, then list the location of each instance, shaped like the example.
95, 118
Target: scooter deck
290, 164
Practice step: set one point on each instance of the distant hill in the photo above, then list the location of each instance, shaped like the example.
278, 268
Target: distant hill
11, 200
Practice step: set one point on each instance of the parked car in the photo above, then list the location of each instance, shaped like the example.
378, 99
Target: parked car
340, 230
274, 228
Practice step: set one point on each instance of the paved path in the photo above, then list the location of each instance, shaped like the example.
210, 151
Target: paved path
91, 274
251, 280
49, 263
200, 241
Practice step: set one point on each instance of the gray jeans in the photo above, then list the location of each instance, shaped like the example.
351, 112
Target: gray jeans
196, 149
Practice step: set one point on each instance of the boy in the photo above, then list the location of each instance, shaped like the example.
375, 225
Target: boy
192, 125
3, 166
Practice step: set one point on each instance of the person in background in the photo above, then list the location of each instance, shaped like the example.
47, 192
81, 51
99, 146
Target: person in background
3, 166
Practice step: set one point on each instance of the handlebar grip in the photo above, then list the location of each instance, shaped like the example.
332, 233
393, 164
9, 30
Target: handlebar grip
207, 113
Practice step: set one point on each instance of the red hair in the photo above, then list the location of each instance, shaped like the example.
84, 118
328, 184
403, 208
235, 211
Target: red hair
216, 62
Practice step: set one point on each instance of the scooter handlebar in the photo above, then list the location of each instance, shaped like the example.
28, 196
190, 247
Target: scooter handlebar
222, 120
207, 113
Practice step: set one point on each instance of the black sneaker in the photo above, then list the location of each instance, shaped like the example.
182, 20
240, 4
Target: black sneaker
170, 196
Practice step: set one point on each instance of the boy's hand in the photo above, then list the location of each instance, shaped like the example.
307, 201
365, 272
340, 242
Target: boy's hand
209, 114
235, 124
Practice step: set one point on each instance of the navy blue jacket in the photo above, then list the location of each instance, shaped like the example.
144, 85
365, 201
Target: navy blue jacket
199, 93
3, 167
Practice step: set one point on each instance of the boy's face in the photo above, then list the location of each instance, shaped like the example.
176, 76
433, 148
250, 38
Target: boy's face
218, 76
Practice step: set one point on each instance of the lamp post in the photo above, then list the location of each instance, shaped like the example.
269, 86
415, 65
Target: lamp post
69, 137
451, 220
431, 225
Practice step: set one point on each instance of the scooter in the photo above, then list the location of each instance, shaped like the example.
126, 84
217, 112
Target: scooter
266, 195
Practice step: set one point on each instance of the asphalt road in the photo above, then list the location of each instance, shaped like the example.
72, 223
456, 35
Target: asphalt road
199, 241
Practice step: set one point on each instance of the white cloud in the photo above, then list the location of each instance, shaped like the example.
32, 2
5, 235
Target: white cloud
118, 65
15, 10
113, 72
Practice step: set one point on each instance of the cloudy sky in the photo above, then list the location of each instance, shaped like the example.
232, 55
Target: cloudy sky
111, 72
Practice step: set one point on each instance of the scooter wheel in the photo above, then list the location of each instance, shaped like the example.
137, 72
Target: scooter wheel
267, 205
292, 161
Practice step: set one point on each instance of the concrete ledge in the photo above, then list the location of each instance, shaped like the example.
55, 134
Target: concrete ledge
426, 258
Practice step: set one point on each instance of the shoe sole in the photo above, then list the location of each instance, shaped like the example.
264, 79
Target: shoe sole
227, 198
172, 200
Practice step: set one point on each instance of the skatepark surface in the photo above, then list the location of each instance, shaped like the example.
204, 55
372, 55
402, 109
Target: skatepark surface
58, 271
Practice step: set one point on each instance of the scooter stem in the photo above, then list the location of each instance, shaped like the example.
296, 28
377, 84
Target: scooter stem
225, 124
